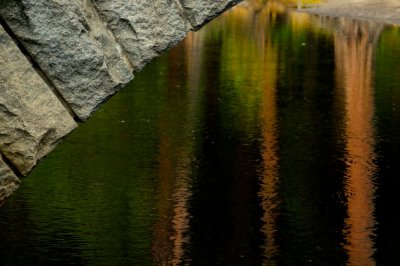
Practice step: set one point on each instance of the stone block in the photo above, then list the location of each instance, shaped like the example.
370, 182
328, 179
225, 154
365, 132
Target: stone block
144, 28
9, 182
32, 119
72, 46
199, 12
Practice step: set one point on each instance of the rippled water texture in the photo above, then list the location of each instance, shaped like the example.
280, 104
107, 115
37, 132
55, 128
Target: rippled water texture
267, 138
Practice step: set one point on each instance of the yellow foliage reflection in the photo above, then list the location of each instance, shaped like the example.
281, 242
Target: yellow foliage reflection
299, 20
261, 58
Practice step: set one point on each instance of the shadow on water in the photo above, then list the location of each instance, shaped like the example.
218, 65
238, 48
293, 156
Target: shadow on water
268, 138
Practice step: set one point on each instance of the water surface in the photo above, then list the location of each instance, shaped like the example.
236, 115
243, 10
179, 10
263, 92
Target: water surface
267, 138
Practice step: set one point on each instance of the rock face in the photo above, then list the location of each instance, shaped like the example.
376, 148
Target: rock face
32, 119
60, 59
72, 45
8, 181
89, 48
199, 12
144, 28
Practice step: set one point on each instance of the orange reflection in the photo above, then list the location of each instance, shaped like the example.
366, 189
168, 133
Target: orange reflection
162, 246
175, 158
170, 231
354, 48
270, 178
194, 44
180, 219
261, 78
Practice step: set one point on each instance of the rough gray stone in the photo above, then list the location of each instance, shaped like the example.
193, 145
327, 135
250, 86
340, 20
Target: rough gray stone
8, 181
32, 119
199, 12
72, 46
144, 28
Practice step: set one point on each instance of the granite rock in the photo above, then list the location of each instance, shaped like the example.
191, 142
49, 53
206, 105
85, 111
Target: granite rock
72, 46
199, 12
9, 182
32, 119
144, 28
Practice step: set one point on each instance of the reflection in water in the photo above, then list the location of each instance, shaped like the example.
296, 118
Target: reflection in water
171, 231
270, 178
254, 142
262, 81
387, 102
355, 44
262, 17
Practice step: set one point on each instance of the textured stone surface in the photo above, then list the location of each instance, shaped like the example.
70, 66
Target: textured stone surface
8, 181
32, 119
144, 28
199, 12
73, 47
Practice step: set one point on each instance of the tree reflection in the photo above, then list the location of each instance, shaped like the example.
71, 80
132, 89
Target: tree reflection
354, 51
270, 178
257, 52
176, 151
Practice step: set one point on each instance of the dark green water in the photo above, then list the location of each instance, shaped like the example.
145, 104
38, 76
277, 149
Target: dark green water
265, 139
